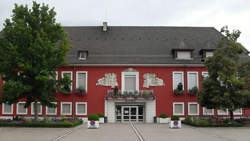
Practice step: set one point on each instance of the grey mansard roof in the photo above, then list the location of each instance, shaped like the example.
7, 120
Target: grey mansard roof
139, 45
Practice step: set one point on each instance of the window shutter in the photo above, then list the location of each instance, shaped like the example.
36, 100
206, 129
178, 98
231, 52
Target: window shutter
193, 109
177, 79
7, 108
81, 80
192, 80
66, 109
130, 83
178, 109
81, 109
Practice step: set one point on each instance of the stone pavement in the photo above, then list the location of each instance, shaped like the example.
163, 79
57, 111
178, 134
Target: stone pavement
125, 132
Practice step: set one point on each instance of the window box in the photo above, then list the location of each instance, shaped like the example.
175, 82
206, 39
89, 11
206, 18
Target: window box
194, 91
179, 89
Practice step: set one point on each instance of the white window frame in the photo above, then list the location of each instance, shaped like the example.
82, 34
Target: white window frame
18, 109
130, 73
56, 75
182, 73
82, 55
198, 109
178, 51
70, 108
86, 82
238, 113
222, 114
203, 73
208, 114
85, 108
71, 78
177, 114
209, 52
188, 81
32, 107
51, 113
3, 111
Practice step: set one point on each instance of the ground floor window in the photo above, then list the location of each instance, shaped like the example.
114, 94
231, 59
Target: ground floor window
81, 108
7, 108
178, 108
238, 112
222, 112
39, 108
21, 109
208, 111
51, 110
66, 108
193, 108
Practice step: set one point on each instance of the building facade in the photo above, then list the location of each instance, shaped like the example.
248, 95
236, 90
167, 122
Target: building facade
132, 73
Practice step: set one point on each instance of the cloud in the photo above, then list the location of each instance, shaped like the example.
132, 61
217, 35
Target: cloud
213, 13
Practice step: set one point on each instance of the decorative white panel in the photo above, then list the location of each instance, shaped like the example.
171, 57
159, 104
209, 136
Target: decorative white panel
150, 79
108, 80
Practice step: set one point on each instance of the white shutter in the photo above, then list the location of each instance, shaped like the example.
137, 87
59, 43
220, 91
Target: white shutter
184, 55
81, 108
51, 110
81, 80
193, 109
66, 108
21, 109
7, 109
178, 78
192, 80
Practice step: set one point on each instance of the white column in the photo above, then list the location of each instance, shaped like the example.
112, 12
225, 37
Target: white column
150, 111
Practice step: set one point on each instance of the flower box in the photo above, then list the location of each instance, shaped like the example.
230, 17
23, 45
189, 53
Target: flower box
164, 120
175, 124
101, 120
93, 124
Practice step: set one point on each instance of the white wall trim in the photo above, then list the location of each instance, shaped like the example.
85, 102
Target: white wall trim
71, 77
3, 111
204, 113
182, 108
238, 113
77, 108
18, 110
222, 113
32, 107
70, 108
188, 81
173, 76
198, 108
130, 73
51, 113
77, 72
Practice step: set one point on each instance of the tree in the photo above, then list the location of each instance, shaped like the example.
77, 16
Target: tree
32, 46
224, 88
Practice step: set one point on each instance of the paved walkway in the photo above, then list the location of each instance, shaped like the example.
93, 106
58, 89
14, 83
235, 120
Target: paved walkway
126, 132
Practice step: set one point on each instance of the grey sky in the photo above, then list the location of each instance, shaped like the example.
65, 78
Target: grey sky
213, 13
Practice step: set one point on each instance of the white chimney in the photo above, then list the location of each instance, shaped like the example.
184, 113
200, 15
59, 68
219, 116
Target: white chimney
105, 26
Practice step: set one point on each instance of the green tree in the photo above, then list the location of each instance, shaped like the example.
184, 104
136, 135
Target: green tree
32, 46
224, 88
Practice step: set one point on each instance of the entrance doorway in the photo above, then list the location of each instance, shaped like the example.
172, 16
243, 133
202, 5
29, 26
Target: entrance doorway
133, 113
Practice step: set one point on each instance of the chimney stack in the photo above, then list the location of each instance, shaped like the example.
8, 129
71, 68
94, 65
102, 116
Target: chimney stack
105, 26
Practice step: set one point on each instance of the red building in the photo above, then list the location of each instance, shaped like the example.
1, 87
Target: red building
130, 73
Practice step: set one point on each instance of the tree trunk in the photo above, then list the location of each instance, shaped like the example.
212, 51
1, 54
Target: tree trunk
35, 111
231, 114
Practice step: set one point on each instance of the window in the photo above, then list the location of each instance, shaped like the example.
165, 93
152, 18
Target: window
178, 78
205, 74
222, 112
21, 109
51, 110
192, 80
208, 111
185, 55
69, 74
82, 55
130, 81
193, 108
81, 79
39, 108
66, 108
178, 108
209, 53
237, 112
7, 109
81, 108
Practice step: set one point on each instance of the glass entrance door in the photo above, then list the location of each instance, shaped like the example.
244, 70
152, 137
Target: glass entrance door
129, 113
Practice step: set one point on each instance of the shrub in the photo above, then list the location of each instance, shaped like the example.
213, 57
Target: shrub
175, 118
163, 115
204, 122
100, 115
179, 89
94, 117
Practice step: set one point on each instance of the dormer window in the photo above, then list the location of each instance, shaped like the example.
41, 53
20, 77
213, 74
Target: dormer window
209, 54
183, 54
82, 55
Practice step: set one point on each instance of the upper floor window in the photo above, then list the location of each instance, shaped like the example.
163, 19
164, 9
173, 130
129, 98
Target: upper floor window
192, 80
177, 79
69, 74
82, 55
130, 81
184, 55
81, 80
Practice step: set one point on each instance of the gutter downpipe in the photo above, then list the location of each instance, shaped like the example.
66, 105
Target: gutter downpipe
185, 92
